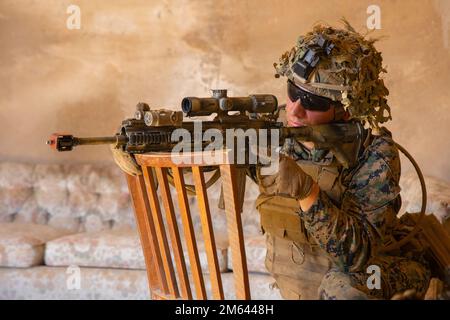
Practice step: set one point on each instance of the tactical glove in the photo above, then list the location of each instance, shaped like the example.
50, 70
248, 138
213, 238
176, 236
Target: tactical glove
126, 161
289, 181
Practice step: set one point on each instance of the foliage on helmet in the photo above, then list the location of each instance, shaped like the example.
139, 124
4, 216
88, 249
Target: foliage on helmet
353, 65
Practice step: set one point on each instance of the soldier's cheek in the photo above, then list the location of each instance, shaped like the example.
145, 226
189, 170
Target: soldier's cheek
295, 117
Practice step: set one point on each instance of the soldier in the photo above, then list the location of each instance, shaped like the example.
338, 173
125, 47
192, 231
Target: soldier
341, 218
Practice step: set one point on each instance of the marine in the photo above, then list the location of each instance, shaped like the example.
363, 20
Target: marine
333, 222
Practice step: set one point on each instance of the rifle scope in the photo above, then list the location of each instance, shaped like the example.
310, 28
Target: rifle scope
220, 103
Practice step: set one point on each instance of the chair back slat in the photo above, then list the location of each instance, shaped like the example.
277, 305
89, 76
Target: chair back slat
147, 221
144, 233
229, 175
160, 233
189, 233
208, 233
161, 174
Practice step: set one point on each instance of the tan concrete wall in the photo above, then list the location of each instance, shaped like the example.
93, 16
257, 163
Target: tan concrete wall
86, 81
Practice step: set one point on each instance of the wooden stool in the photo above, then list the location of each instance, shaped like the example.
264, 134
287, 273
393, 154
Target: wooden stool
164, 283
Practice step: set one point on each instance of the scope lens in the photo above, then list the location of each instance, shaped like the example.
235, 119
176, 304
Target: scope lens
186, 105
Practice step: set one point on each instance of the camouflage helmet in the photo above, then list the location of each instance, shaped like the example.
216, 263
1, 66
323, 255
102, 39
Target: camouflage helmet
342, 65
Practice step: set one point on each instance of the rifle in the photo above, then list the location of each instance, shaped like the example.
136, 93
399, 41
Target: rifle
157, 131
153, 130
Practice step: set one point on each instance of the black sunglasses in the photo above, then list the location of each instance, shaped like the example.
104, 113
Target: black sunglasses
308, 100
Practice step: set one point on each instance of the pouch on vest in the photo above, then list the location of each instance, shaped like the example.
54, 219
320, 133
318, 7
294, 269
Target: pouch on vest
296, 262
279, 217
298, 269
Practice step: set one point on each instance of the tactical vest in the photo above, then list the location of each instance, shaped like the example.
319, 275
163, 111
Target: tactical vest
293, 258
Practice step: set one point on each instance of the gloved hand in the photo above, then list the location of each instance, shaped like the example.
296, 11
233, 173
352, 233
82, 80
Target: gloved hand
126, 161
290, 181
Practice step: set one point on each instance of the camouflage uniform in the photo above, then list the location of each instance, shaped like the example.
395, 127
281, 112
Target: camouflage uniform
353, 224
355, 214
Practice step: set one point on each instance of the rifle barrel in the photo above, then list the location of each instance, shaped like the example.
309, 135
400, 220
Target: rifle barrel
66, 142
98, 140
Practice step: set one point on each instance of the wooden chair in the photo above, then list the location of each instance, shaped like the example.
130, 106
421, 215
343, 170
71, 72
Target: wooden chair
165, 280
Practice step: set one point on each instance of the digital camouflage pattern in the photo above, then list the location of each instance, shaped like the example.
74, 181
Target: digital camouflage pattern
353, 229
398, 274
349, 73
